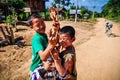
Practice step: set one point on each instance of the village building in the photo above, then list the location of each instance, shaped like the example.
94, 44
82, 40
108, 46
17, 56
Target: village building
36, 5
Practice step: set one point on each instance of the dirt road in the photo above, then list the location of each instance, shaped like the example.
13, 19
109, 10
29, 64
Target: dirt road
99, 57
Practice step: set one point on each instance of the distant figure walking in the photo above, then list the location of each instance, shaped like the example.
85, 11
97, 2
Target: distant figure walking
108, 29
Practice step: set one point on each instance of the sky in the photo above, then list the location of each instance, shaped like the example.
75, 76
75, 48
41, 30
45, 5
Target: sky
87, 3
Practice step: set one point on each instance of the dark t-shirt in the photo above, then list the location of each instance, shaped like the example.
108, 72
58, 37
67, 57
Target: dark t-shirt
69, 53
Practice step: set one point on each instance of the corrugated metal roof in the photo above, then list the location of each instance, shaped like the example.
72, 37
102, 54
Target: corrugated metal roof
74, 11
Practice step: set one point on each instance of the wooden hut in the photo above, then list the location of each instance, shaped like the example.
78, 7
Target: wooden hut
35, 5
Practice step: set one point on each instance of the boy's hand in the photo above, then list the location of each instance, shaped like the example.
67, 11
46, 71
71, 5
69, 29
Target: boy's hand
47, 65
53, 14
55, 54
52, 37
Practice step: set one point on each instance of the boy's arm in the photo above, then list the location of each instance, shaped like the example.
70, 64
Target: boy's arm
52, 40
59, 67
46, 53
68, 65
57, 62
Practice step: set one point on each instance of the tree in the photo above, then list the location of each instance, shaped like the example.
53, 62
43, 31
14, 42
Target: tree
111, 9
65, 2
17, 5
61, 2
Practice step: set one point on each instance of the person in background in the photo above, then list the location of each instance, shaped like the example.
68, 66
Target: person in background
108, 28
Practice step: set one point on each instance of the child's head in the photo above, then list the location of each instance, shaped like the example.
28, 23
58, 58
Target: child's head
67, 36
37, 23
52, 9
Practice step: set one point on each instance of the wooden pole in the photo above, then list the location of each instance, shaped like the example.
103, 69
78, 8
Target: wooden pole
12, 35
76, 10
3, 32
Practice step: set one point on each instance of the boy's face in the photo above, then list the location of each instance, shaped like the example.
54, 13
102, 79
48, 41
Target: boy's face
38, 25
65, 40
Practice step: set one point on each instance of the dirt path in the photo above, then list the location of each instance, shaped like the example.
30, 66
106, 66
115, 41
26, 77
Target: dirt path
99, 57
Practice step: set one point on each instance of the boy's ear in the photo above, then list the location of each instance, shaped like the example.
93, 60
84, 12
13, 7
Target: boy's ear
31, 27
73, 39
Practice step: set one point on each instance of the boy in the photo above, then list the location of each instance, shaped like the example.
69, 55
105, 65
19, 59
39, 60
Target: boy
41, 47
67, 52
45, 72
108, 28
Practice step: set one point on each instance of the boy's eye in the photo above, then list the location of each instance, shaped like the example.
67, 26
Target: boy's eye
65, 39
36, 24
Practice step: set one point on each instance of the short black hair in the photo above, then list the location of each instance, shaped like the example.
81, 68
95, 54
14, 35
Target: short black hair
33, 16
68, 30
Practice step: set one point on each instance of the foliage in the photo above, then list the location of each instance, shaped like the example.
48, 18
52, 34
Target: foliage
42, 15
47, 15
2, 0
16, 4
15, 7
21, 16
11, 19
27, 14
65, 2
67, 14
83, 10
61, 2
111, 9
72, 7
